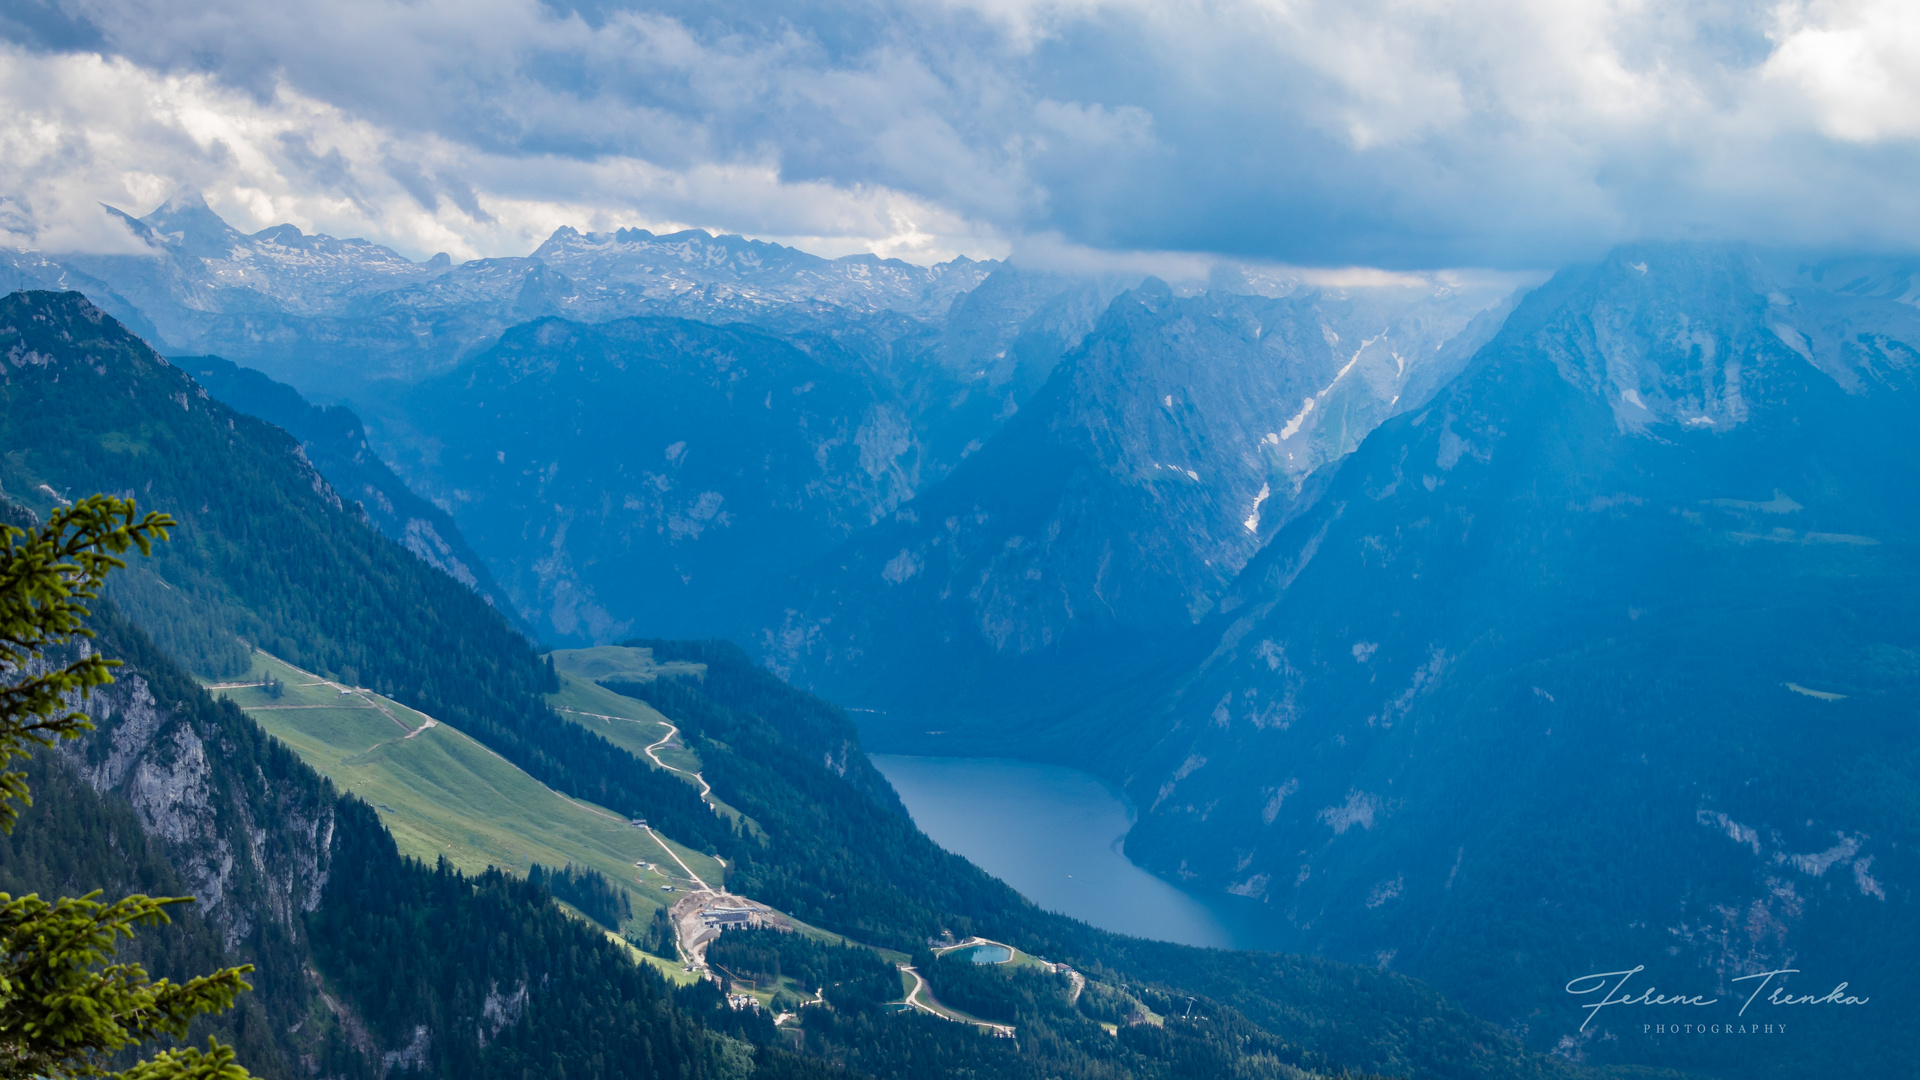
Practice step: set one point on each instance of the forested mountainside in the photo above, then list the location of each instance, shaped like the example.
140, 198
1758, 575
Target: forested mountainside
366, 964
335, 443
840, 859
1604, 658
91, 408
1112, 513
834, 853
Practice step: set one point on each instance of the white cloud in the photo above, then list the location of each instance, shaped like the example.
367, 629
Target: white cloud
84, 130
1857, 66
1406, 133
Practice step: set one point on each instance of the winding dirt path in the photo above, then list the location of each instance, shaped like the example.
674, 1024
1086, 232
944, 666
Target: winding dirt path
706, 789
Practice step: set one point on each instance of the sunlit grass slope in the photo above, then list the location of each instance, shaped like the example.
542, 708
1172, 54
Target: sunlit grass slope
443, 794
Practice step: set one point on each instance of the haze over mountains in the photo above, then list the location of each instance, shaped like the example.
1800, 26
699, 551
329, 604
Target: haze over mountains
888, 376
1621, 622
1119, 506
1492, 637
377, 958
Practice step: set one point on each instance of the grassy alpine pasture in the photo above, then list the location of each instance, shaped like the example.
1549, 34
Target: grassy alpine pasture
622, 663
628, 723
442, 794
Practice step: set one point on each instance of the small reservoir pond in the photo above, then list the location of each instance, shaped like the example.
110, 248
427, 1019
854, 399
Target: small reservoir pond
989, 954
1054, 834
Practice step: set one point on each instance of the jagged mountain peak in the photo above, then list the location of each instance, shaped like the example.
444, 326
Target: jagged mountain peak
187, 223
1670, 335
693, 260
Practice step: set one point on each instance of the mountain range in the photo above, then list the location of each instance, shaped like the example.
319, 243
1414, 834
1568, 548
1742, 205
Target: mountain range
375, 963
1492, 638
293, 303
1117, 508
888, 376
1618, 627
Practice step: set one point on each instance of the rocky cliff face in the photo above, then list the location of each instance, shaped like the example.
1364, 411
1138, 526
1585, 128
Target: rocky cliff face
251, 847
1169, 445
248, 828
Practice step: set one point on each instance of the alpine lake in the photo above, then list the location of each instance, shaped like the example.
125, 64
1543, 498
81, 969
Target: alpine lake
1056, 835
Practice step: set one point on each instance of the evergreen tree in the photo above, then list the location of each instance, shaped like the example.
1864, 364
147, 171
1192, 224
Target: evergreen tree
63, 1009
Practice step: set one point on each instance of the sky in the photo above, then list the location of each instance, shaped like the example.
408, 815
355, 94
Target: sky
1398, 134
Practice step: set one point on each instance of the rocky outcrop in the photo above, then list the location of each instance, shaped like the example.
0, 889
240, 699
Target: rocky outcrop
251, 846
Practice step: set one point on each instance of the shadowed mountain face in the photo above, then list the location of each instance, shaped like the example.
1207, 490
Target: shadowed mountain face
1116, 509
658, 472
1605, 657
632, 474
647, 472
334, 441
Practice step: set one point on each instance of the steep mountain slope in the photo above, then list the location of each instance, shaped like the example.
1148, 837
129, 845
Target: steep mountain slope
335, 442
1114, 511
366, 963
267, 552
371, 962
1605, 658
624, 474
431, 961
444, 795
645, 472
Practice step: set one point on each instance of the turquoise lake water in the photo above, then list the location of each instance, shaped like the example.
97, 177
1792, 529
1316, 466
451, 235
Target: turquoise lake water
989, 954
1054, 834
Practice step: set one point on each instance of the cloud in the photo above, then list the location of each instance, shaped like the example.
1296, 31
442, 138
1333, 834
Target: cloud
1854, 65
85, 130
1396, 133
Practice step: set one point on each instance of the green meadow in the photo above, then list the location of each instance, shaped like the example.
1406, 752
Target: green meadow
444, 795
626, 722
